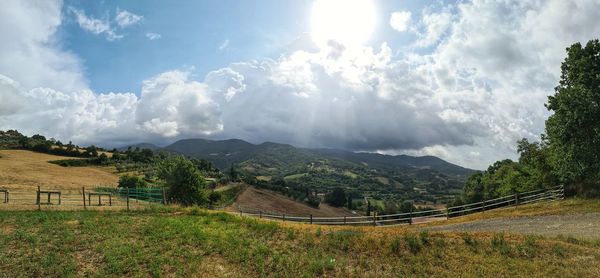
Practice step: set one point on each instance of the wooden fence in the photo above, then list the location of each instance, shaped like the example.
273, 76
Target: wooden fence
547, 194
111, 198
84, 198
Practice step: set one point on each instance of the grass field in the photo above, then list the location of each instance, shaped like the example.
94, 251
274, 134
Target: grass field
273, 202
568, 206
20, 169
195, 242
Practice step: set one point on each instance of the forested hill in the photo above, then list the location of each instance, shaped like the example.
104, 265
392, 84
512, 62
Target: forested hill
224, 153
383, 175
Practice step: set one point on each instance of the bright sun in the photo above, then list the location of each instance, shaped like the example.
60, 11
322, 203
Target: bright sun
349, 22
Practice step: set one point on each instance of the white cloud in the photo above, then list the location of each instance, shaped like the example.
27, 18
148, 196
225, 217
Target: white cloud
29, 52
125, 18
435, 25
480, 89
171, 105
400, 20
153, 36
224, 44
94, 25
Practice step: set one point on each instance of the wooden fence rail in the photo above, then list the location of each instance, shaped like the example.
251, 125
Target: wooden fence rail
553, 193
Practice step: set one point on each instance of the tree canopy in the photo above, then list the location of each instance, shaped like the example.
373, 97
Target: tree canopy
573, 131
569, 152
184, 181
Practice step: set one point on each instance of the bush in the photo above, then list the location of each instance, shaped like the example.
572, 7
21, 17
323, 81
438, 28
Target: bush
337, 197
469, 240
413, 243
128, 181
424, 236
528, 248
499, 243
214, 197
395, 246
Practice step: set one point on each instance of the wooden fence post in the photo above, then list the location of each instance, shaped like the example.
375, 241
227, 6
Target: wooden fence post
260, 214
39, 201
127, 197
375, 218
517, 199
483, 205
311, 219
284, 217
83, 195
410, 216
344, 220
164, 196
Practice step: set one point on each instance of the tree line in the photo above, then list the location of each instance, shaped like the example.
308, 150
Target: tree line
569, 150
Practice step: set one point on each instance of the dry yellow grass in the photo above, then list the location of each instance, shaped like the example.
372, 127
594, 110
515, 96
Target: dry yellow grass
568, 206
21, 169
272, 202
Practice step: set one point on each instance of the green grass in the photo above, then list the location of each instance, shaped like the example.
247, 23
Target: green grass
194, 242
295, 176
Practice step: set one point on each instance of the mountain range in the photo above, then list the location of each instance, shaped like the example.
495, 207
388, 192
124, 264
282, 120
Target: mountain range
327, 168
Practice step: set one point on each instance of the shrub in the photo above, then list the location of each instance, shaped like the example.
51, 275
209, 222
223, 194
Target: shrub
499, 243
424, 237
337, 197
528, 248
559, 250
413, 243
469, 240
128, 181
214, 197
395, 246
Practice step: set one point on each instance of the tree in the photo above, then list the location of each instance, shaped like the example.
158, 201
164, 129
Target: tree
573, 131
214, 197
473, 190
102, 158
146, 155
128, 181
337, 197
185, 183
232, 174
91, 151
407, 207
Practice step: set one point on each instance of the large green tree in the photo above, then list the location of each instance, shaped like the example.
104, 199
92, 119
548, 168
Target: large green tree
185, 183
573, 131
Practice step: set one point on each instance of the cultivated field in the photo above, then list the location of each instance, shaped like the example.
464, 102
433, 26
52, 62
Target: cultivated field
20, 169
269, 201
21, 172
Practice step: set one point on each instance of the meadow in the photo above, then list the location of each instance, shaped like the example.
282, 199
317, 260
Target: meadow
171, 242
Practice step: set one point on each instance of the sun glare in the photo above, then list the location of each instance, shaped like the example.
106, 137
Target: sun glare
349, 22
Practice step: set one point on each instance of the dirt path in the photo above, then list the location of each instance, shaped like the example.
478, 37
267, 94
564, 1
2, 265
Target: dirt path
585, 225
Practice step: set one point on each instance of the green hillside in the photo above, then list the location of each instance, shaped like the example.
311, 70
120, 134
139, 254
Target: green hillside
384, 177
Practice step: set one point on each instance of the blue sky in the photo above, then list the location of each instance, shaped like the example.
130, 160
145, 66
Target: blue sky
459, 80
191, 34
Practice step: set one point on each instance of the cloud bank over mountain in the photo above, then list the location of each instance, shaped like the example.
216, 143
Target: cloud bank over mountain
481, 86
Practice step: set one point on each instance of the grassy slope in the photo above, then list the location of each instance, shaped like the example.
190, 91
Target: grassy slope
194, 242
21, 169
544, 208
273, 202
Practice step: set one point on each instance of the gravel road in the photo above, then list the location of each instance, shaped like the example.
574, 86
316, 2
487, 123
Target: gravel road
585, 226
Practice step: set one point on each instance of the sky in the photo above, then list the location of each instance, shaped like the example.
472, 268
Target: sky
459, 80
